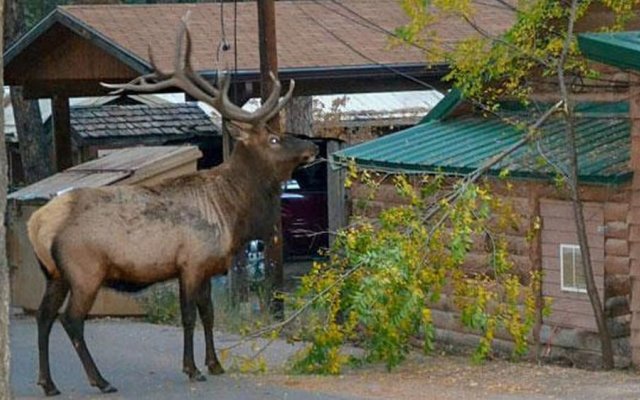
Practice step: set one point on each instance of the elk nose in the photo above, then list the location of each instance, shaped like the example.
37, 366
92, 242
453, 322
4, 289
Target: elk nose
310, 155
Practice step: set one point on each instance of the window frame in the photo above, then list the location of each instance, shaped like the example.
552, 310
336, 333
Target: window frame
563, 286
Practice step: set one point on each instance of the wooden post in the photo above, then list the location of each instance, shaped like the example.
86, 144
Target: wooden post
62, 132
5, 350
227, 140
238, 284
336, 194
535, 257
268, 66
239, 94
634, 217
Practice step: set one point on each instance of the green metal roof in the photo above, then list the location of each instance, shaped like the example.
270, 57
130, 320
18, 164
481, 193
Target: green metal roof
620, 49
461, 145
444, 106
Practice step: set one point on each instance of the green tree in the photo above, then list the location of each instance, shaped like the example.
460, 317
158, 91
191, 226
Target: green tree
34, 143
540, 48
383, 274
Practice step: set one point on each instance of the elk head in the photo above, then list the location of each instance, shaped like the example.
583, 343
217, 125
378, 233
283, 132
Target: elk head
257, 144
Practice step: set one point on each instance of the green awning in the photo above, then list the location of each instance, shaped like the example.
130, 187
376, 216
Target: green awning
461, 145
620, 49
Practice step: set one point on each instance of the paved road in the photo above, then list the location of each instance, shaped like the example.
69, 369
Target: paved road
142, 360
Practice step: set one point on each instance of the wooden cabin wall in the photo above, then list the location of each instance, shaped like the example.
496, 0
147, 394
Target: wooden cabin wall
577, 342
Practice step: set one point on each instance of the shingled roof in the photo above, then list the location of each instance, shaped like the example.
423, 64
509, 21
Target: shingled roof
303, 40
326, 46
164, 122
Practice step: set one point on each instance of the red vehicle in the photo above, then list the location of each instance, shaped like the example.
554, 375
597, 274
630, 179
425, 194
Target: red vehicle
304, 211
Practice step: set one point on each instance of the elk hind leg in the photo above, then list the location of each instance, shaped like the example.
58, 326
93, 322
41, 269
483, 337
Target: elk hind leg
80, 302
54, 295
205, 308
188, 299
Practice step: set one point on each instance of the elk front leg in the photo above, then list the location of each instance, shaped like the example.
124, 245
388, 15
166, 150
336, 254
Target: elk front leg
188, 297
53, 298
205, 308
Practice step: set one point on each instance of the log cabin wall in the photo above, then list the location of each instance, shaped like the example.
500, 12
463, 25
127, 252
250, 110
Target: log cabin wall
569, 333
634, 215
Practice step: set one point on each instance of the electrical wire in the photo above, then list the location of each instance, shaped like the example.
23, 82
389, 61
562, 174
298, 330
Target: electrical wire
235, 47
365, 22
364, 56
222, 45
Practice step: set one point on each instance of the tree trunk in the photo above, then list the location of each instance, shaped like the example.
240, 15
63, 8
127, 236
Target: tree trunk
299, 116
587, 266
34, 144
5, 353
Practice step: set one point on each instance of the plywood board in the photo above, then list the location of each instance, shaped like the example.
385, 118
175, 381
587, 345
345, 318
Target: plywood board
570, 309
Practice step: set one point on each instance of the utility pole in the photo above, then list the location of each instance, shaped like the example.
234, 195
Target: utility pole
269, 65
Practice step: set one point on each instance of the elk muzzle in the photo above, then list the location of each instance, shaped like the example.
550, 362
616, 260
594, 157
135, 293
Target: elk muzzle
309, 155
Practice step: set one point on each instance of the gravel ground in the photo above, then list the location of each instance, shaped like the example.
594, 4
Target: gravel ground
456, 378
144, 360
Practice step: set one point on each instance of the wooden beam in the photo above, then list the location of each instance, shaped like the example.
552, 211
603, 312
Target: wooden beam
535, 258
62, 132
239, 95
304, 87
268, 66
336, 194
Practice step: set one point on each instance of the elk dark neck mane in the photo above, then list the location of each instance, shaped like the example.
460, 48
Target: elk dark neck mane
240, 195
258, 189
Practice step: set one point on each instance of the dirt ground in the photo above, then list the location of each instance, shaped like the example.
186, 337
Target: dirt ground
456, 378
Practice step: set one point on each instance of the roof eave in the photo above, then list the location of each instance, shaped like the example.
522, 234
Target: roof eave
29, 37
608, 50
337, 159
338, 72
59, 15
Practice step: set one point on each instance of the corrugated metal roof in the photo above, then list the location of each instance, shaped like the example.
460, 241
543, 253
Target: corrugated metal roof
117, 166
620, 49
402, 107
461, 145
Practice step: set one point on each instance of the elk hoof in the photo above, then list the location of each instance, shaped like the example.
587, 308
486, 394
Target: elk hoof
108, 388
216, 369
197, 377
51, 391
49, 388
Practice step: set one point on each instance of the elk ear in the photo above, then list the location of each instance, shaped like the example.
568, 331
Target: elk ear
239, 131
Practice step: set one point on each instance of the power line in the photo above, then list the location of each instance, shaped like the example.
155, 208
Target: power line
235, 47
368, 23
364, 56
370, 59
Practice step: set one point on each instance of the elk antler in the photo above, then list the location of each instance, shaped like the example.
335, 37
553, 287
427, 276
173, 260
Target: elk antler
183, 77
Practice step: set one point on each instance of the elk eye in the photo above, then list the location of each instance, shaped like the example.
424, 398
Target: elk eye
274, 140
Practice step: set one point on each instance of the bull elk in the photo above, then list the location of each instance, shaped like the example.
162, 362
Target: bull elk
190, 227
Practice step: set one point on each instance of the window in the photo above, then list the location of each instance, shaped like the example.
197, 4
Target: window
571, 273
